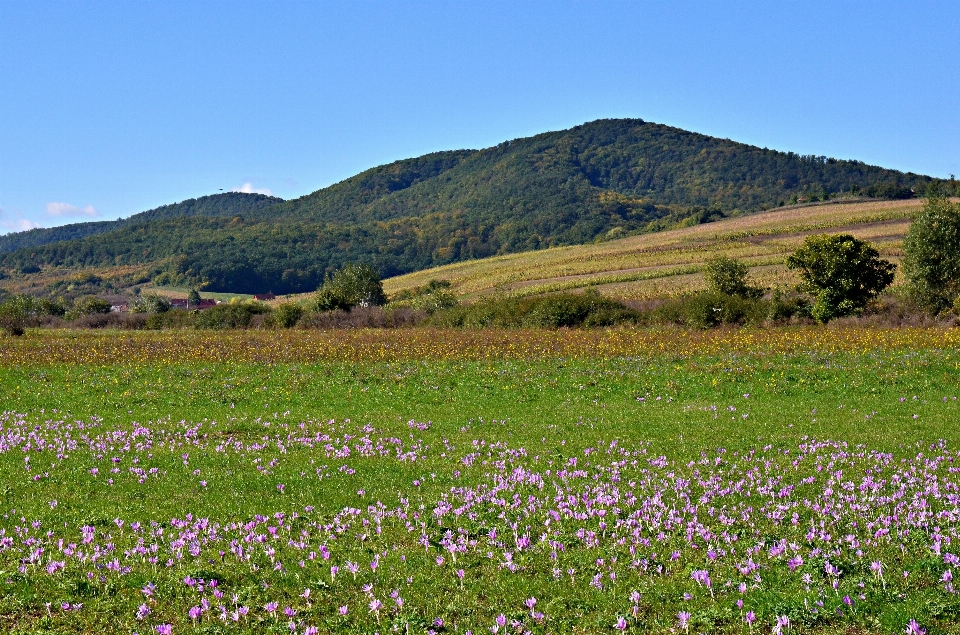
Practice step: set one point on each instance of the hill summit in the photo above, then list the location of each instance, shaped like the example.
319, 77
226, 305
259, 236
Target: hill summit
599, 180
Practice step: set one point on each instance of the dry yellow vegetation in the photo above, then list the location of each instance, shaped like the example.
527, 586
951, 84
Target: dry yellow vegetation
244, 347
669, 263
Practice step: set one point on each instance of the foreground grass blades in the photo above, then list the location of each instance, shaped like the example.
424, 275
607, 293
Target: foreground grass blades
552, 482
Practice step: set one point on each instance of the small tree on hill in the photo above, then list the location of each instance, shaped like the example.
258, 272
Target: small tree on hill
287, 314
88, 305
729, 277
932, 254
15, 314
843, 273
151, 303
193, 298
354, 285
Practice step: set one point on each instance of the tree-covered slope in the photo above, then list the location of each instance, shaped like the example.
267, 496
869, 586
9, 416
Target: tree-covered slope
571, 168
602, 179
226, 204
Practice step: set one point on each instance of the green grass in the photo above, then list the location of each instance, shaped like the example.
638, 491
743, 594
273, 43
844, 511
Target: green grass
554, 410
541, 393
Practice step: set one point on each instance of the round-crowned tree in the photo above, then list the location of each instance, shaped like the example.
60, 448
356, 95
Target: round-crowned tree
354, 285
842, 273
15, 315
729, 277
931, 259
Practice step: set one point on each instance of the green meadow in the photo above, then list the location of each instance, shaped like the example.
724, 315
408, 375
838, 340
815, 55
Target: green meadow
684, 492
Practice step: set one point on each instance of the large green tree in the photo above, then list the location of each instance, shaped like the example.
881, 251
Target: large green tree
843, 273
931, 258
354, 285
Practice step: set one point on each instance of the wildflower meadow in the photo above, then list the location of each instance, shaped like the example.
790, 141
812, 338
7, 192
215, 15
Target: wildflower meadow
747, 481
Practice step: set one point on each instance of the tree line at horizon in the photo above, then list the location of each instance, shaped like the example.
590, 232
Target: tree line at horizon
605, 179
840, 274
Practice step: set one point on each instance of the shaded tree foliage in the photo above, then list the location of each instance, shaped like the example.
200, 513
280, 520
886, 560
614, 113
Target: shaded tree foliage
354, 285
843, 273
226, 204
151, 303
728, 276
932, 254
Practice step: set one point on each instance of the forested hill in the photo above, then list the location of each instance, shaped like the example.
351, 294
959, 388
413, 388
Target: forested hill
226, 204
596, 167
602, 179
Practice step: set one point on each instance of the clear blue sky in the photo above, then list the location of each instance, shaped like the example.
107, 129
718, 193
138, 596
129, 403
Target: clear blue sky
111, 108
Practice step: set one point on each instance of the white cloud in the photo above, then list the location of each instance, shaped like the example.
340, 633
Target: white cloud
66, 209
15, 223
247, 188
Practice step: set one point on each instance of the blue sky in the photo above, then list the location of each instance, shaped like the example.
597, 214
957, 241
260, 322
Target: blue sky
111, 108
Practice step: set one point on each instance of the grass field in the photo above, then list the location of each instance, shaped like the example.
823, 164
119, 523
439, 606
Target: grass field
799, 480
667, 263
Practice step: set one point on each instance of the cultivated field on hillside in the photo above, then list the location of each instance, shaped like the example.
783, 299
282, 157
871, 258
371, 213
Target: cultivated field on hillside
667, 263
799, 480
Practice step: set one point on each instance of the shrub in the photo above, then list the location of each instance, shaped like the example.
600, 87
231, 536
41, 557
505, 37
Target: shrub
434, 301
728, 276
14, 316
151, 303
172, 319
88, 305
354, 285
710, 309
230, 315
556, 311
842, 273
782, 307
21, 311
931, 259
571, 310
131, 321
287, 315
434, 296
362, 317
431, 287
47, 306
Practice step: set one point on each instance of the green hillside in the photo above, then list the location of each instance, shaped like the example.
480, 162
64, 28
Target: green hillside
601, 180
226, 204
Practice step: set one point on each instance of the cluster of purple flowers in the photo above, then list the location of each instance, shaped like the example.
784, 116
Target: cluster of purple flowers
827, 521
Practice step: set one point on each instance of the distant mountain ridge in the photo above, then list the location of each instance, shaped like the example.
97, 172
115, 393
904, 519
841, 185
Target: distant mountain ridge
226, 204
602, 179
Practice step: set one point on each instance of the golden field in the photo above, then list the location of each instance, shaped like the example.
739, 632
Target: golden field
244, 347
669, 263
